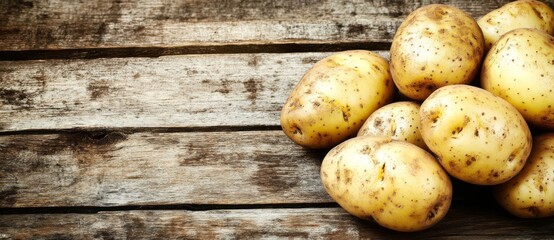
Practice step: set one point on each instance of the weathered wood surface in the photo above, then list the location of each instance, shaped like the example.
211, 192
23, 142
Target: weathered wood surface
170, 91
56, 24
193, 139
303, 223
117, 169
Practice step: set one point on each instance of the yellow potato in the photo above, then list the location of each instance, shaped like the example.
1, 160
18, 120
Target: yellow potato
531, 193
477, 137
435, 46
514, 15
399, 185
398, 120
335, 97
520, 69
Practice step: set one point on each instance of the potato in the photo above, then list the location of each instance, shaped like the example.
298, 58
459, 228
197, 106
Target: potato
335, 97
520, 69
477, 137
435, 46
398, 120
531, 193
514, 15
399, 185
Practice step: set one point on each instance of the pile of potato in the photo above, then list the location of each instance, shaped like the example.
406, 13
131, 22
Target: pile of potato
391, 160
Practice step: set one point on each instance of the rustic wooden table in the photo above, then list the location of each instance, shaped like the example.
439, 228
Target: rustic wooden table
150, 119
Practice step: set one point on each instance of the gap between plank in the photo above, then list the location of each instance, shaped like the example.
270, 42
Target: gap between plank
98, 132
185, 207
163, 51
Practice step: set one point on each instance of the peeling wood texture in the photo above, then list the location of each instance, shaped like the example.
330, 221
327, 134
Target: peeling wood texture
144, 23
306, 223
117, 169
144, 119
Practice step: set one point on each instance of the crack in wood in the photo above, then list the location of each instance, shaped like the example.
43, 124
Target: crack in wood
164, 51
133, 130
186, 207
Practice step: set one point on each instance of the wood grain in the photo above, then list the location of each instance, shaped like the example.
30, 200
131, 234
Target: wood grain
117, 169
54, 24
306, 223
170, 91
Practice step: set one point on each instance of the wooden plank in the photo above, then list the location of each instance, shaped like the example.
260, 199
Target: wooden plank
307, 223
114, 169
54, 24
169, 91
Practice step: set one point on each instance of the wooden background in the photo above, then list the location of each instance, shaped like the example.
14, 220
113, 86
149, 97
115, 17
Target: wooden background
150, 119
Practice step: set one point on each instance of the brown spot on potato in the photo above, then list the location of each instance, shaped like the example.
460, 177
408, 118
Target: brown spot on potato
426, 84
511, 157
432, 213
470, 160
366, 150
436, 13
378, 122
434, 115
344, 115
296, 129
347, 176
294, 104
376, 67
464, 124
442, 202
537, 12
533, 211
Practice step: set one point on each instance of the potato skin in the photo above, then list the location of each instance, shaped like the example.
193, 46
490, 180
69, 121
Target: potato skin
531, 193
335, 97
514, 15
520, 69
399, 185
398, 120
435, 46
477, 137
